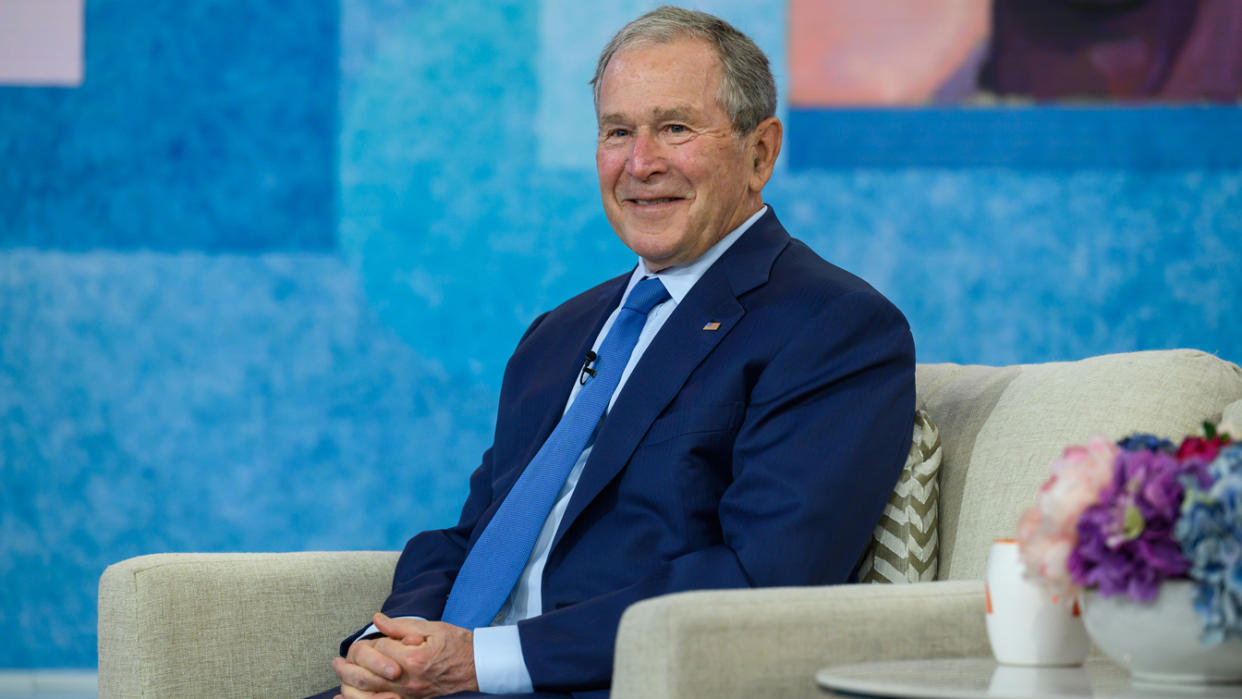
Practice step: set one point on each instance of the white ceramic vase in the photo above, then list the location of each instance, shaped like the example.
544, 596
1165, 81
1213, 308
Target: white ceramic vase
1159, 641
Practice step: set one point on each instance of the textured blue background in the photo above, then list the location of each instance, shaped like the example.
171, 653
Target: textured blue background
200, 125
260, 274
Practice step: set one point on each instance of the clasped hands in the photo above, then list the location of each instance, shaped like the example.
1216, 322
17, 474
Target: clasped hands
412, 660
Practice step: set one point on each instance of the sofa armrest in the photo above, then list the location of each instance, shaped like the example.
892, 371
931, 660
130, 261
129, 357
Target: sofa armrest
244, 625
771, 642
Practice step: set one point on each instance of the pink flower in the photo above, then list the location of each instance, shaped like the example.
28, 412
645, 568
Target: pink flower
1048, 532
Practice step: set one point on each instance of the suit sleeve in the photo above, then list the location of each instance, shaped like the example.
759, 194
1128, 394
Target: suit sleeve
825, 433
429, 563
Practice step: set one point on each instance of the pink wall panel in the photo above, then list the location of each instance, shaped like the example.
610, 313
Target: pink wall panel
884, 52
41, 42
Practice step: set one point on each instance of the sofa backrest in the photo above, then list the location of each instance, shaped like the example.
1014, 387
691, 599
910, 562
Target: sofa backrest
1000, 427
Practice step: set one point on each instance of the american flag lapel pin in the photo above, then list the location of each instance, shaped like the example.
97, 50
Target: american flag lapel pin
714, 325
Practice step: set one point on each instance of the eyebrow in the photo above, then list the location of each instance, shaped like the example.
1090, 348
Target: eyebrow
658, 114
674, 114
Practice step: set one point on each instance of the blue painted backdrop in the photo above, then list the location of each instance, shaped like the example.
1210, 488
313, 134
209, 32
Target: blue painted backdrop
260, 273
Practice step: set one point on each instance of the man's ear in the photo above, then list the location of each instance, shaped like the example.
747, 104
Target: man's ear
765, 147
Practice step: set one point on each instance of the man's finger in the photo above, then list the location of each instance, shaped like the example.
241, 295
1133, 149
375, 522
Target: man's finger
380, 664
412, 631
412, 658
352, 693
348, 692
357, 646
358, 677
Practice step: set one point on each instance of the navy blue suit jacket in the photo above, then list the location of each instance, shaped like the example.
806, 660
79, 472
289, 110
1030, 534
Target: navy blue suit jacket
760, 453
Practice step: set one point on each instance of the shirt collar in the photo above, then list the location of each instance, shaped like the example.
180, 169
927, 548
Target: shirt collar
679, 280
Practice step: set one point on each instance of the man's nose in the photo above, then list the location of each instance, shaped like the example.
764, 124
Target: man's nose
646, 157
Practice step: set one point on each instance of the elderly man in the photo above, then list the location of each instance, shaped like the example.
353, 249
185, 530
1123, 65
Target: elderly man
733, 412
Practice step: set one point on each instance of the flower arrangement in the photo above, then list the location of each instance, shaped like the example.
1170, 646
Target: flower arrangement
1122, 517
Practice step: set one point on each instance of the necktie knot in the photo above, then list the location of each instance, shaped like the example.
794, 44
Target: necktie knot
646, 295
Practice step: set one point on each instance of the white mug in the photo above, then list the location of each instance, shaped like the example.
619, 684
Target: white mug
1025, 625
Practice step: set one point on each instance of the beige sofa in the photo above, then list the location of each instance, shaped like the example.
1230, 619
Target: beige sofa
250, 625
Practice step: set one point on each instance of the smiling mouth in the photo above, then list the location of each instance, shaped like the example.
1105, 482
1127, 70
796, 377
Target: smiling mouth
649, 202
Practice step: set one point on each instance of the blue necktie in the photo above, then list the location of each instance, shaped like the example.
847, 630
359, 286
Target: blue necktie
493, 566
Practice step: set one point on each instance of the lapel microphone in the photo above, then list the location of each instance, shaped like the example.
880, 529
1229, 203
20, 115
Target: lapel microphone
586, 368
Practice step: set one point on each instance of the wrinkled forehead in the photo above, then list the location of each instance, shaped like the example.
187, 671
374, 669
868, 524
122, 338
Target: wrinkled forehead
660, 80
678, 43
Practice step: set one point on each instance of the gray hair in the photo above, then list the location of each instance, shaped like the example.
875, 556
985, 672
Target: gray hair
747, 90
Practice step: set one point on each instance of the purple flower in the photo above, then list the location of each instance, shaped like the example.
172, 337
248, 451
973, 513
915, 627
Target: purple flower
1160, 512
1125, 541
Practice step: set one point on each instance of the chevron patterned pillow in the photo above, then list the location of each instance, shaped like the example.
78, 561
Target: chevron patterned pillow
905, 545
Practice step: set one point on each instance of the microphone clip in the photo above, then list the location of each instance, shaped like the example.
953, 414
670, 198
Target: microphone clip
586, 368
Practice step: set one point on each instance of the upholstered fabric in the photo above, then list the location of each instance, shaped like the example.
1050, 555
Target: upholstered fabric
1001, 426
905, 544
769, 642
246, 625
1233, 415
233, 625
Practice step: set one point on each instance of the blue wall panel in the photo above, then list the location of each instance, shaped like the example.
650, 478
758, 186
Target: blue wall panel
190, 402
200, 125
1052, 137
258, 282
1000, 266
444, 209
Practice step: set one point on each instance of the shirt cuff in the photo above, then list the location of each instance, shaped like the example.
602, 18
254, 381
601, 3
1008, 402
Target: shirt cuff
498, 663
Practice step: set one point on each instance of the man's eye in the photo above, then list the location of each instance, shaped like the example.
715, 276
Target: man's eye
677, 128
618, 133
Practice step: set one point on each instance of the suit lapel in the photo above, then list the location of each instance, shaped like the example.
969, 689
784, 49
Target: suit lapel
680, 346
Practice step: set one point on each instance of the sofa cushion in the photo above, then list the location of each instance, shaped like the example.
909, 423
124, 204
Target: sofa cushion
1001, 426
905, 544
1231, 417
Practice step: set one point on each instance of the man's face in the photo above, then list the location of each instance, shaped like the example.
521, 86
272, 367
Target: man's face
673, 176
